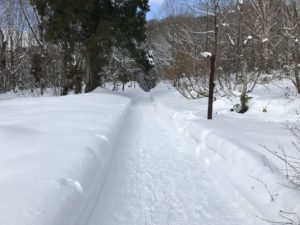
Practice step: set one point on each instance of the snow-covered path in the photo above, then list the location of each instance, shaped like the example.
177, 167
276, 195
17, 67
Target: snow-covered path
156, 178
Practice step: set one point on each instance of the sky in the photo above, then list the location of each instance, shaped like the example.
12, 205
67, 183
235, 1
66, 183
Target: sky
154, 9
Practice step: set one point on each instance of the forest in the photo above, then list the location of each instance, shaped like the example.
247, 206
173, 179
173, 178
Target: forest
66, 45
253, 41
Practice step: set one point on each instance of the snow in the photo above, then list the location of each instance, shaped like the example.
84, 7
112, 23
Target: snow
146, 158
233, 145
54, 155
29, 94
231, 40
150, 58
247, 39
265, 40
206, 54
162, 179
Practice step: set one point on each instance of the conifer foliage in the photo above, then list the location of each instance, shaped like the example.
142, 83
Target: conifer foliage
95, 26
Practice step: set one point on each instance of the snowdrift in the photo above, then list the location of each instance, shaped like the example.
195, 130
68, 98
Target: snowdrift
55, 153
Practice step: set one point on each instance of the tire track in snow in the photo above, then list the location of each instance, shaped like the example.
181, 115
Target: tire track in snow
156, 178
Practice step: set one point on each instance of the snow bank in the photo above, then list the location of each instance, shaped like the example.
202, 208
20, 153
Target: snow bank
55, 153
236, 152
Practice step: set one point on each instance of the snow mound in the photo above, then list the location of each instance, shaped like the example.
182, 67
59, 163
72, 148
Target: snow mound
55, 153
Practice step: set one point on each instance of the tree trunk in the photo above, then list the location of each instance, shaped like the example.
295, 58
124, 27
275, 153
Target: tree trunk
244, 97
2, 59
2, 50
265, 57
175, 82
91, 76
297, 79
12, 64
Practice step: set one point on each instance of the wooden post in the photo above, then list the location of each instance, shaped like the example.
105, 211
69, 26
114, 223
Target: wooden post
211, 87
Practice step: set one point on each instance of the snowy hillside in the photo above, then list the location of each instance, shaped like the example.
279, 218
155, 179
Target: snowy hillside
147, 158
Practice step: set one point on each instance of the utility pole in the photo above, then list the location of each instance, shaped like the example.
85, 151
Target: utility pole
211, 86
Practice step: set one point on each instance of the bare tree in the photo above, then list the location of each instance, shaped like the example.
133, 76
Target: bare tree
263, 19
2, 50
291, 33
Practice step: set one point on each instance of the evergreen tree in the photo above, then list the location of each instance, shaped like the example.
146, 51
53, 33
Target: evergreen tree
96, 25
